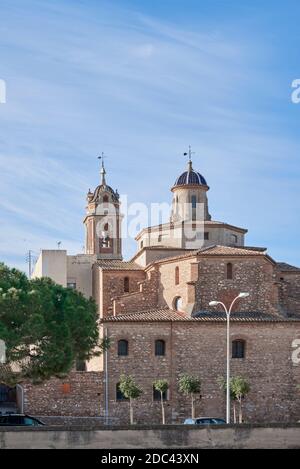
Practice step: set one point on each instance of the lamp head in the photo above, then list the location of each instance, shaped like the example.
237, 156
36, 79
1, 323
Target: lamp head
243, 295
214, 303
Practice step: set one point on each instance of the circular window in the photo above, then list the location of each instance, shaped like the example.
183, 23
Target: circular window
178, 303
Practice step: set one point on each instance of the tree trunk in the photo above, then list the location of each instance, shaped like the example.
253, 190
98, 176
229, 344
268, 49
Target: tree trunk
131, 412
162, 409
234, 412
193, 407
240, 413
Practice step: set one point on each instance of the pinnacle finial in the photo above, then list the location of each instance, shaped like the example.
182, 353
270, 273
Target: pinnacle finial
102, 171
189, 154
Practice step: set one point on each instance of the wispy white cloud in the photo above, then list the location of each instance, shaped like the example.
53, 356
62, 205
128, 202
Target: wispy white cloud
82, 79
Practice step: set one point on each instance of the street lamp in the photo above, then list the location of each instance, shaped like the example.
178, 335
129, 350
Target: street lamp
228, 312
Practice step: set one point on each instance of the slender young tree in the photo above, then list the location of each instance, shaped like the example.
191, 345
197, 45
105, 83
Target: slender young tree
190, 386
239, 388
131, 391
162, 386
223, 386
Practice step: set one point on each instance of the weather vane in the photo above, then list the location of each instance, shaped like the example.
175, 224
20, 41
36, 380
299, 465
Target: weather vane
102, 157
189, 153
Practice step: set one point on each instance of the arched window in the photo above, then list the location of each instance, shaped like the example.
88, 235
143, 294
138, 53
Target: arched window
177, 275
126, 285
229, 271
122, 348
178, 303
160, 348
142, 244
106, 227
119, 395
157, 395
105, 198
238, 348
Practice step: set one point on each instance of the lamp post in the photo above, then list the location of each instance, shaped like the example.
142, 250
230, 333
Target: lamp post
228, 312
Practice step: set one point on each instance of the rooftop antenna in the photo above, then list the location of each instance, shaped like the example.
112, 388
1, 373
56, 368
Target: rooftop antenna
58, 244
29, 261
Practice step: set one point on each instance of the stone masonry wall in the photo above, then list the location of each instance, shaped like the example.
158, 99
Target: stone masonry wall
204, 280
145, 298
200, 349
109, 284
168, 290
79, 394
289, 293
254, 275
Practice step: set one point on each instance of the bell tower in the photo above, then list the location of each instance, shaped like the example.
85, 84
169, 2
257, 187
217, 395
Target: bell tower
103, 220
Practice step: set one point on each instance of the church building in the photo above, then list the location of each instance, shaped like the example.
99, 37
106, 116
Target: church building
156, 310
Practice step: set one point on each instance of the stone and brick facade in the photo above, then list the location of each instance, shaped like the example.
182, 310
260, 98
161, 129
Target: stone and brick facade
163, 294
198, 347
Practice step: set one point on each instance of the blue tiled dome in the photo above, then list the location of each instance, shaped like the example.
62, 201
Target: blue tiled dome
190, 177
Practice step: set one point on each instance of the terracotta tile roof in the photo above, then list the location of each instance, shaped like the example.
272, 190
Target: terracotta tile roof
168, 315
216, 250
152, 315
283, 267
246, 316
118, 265
230, 250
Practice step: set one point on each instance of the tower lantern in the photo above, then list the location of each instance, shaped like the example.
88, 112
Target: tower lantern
190, 195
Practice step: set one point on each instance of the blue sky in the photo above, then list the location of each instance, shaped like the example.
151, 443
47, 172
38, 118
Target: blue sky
141, 80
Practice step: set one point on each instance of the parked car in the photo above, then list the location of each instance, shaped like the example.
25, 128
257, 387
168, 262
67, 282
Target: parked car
19, 420
204, 421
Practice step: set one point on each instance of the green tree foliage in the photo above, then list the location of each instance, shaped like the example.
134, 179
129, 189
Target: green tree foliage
45, 327
162, 386
190, 386
131, 391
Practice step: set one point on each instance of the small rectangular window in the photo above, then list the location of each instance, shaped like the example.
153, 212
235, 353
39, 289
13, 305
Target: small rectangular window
119, 395
71, 285
157, 395
234, 239
160, 348
206, 235
238, 349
